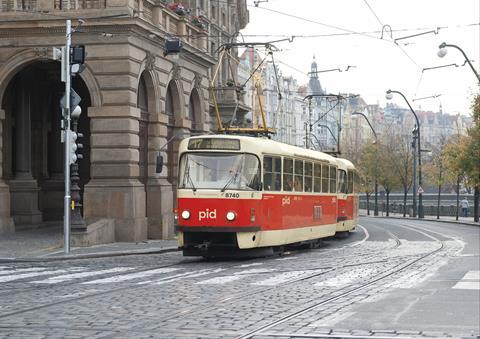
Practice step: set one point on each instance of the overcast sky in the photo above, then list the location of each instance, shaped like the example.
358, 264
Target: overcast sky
380, 63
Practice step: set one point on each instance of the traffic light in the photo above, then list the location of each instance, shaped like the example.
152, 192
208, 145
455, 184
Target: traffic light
77, 58
74, 147
78, 54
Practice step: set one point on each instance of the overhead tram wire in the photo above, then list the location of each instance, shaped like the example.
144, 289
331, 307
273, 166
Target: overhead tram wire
373, 12
339, 28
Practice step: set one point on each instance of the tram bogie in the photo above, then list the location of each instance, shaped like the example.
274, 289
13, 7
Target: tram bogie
250, 196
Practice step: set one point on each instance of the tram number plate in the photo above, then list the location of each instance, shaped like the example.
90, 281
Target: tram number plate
232, 195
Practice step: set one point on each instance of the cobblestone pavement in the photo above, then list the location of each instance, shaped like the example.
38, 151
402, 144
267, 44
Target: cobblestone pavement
316, 293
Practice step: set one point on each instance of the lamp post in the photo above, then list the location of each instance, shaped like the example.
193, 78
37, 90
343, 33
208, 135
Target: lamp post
443, 51
389, 96
375, 210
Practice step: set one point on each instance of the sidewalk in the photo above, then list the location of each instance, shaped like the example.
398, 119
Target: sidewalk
46, 244
461, 220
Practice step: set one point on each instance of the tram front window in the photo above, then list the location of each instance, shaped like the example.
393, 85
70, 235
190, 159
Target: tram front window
219, 171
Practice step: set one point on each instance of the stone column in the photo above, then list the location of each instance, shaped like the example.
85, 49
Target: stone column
6, 222
159, 190
114, 191
24, 189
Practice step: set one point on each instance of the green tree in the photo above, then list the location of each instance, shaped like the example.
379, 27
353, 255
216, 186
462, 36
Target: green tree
367, 169
463, 155
388, 162
403, 164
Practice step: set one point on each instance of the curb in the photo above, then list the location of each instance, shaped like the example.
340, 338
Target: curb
89, 255
424, 219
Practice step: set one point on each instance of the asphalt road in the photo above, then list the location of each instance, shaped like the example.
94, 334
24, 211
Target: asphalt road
390, 279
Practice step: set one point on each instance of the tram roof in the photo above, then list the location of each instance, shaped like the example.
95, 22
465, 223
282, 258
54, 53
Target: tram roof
263, 145
344, 163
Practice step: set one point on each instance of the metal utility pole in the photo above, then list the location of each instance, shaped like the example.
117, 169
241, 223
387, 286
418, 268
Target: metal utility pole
66, 116
308, 126
414, 193
419, 152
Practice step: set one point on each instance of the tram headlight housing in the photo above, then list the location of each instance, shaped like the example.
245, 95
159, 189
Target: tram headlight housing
185, 215
231, 216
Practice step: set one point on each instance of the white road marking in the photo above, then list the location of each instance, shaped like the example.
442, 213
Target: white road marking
470, 281
66, 277
234, 276
250, 265
219, 280
286, 258
22, 270
472, 275
285, 277
367, 235
7, 278
182, 276
131, 276
467, 285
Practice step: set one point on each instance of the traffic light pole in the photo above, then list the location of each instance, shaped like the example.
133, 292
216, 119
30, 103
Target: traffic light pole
67, 198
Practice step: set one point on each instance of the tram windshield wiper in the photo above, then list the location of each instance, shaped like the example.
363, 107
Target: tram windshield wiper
235, 175
188, 178
232, 179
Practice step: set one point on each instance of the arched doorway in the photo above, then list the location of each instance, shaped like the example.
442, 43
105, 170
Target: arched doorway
33, 155
195, 111
142, 103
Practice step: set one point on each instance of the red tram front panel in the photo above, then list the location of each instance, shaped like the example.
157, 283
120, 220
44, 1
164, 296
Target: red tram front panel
271, 212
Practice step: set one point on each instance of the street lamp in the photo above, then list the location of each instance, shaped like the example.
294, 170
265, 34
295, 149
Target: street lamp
443, 51
389, 96
375, 210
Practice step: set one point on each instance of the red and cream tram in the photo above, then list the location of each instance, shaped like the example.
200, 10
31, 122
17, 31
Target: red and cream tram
249, 195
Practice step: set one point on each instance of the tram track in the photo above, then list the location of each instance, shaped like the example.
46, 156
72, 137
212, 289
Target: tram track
346, 291
232, 298
180, 312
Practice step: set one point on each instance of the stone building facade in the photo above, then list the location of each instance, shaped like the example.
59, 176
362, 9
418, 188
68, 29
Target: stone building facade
136, 104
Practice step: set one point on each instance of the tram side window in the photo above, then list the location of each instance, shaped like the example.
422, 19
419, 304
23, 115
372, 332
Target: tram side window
333, 179
317, 177
298, 180
325, 169
287, 174
308, 176
272, 173
350, 182
342, 182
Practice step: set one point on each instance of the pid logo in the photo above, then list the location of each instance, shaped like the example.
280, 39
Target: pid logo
285, 201
207, 214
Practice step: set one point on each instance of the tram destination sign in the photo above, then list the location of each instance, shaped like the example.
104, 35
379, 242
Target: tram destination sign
214, 143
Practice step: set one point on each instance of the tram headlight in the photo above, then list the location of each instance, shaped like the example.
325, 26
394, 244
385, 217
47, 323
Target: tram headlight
231, 216
185, 215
